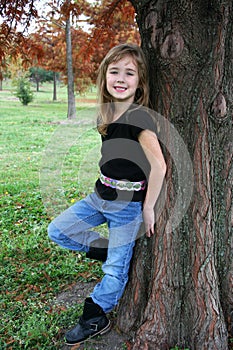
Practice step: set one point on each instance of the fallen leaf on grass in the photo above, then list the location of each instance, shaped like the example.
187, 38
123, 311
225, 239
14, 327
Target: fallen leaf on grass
10, 341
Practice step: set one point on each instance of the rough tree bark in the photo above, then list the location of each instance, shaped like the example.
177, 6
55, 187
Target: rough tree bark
180, 286
71, 114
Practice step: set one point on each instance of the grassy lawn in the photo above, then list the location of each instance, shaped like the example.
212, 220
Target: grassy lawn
36, 139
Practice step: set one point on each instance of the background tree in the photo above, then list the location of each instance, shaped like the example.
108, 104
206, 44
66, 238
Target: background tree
40, 75
69, 61
180, 288
51, 36
52, 33
58, 37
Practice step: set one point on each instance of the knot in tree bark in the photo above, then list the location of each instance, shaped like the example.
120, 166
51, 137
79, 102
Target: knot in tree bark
172, 46
219, 106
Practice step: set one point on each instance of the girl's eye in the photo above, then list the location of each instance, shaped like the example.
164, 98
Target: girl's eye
129, 73
113, 72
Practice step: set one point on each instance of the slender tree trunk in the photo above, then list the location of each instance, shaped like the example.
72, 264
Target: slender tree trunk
54, 87
180, 286
37, 85
1, 79
1, 83
71, 114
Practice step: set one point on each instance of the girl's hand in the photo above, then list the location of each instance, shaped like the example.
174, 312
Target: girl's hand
149, 220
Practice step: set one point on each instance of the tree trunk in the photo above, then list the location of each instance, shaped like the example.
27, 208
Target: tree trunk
1, 80
71, 114
54, 86
180, 285
37, 85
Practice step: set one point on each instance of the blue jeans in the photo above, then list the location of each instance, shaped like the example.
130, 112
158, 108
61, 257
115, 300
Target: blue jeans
73, 230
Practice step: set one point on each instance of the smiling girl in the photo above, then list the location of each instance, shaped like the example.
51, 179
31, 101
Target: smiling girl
132, 169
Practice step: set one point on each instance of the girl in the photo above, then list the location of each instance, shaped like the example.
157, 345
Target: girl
132, 169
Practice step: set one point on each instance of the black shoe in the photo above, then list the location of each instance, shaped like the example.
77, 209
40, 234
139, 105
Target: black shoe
93, 322
98, 249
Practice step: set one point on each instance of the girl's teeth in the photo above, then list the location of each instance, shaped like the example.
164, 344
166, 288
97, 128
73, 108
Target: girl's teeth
120, 89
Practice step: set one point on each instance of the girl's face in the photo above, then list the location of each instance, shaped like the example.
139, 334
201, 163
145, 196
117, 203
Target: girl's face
122, 79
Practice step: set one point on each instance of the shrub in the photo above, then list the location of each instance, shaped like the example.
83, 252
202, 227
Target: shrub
23, 90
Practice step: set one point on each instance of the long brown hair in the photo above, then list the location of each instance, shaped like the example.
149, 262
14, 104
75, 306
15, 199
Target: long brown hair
104, 98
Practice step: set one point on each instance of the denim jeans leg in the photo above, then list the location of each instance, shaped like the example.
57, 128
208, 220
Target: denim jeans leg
71, 229
108, 292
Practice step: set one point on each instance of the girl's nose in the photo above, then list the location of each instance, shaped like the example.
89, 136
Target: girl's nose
120, 78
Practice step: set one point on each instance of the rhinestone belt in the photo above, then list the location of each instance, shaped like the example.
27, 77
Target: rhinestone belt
122, 185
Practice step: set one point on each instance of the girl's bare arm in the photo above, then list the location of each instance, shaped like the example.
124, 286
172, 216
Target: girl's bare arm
151, 147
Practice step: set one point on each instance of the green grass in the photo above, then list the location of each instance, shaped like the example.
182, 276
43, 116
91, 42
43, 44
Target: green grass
34, 270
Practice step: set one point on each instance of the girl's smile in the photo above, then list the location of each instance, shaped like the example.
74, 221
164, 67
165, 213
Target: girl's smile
122, 79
